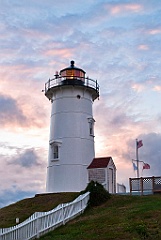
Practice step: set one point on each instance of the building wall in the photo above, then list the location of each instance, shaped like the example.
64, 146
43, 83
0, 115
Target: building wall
103, 176
97, 174
70, 130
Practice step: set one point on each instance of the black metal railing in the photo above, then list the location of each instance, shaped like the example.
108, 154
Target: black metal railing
71, 80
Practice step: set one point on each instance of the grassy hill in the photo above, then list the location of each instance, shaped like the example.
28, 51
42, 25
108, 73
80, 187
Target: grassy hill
26, 207
121, 217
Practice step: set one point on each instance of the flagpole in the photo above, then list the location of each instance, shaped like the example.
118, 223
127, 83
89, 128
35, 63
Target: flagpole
137, 158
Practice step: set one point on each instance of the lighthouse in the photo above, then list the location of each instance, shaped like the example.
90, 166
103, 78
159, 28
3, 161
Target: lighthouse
71, 141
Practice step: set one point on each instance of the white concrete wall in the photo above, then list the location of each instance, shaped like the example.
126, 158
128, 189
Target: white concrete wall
70, 128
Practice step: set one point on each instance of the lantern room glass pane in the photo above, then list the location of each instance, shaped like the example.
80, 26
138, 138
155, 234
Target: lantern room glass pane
72, 73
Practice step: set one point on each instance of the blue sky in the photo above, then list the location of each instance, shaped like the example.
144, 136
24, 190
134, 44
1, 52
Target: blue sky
117, 43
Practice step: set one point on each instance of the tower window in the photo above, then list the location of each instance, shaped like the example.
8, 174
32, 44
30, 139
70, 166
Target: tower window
91, 126
55, 149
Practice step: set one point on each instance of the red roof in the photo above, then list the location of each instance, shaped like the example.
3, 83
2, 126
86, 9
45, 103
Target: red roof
99, 162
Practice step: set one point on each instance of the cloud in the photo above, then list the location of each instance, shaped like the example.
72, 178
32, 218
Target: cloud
10, 112
26, 159
138, 87
116, 130
125, 8
143, 47
150, 153
20, 113
116, 124
67, 53
23, 170
154, 31
157, 88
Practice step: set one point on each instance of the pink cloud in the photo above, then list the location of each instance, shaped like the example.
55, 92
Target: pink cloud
19, 89
62, 53
122, 8
35, 34
154, 31
114, 130
138, 87
117, 138
143, 47
157, 88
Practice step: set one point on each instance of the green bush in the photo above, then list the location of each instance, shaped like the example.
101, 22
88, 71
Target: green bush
98, 194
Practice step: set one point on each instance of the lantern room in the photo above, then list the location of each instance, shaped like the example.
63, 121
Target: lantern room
73, 75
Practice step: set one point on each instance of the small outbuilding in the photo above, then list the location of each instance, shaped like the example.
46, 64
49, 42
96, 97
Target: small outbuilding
103, 170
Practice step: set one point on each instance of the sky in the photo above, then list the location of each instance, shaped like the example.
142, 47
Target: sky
117, 42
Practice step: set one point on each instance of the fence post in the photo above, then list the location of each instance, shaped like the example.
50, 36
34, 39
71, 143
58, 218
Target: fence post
130, 182
153, 183
141, 183
63, 214
38, 227
87, 81
48, 84
81, 205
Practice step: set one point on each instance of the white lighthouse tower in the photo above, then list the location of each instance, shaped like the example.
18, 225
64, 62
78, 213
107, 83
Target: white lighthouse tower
71, 143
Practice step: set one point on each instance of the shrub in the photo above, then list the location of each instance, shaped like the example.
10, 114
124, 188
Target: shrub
98, 194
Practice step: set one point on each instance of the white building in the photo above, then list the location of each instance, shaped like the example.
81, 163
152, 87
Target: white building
103, 170
71, 143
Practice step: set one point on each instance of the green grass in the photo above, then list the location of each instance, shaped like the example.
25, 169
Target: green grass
26, 207
121, 217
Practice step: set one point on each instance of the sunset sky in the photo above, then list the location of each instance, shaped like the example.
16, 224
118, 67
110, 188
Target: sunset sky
116, 42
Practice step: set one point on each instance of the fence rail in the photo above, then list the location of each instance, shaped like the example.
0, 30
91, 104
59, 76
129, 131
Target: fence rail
42, 222
145, 185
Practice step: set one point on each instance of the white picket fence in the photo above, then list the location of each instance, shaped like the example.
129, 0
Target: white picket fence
42, 222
